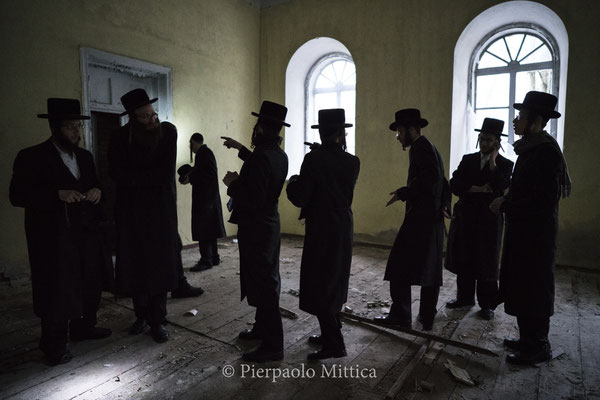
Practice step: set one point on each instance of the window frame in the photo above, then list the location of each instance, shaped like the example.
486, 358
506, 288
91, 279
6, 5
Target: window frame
309, 92
512, 68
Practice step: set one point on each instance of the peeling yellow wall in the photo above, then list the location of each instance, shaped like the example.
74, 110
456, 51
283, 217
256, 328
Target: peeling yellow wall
403, 51
212, 47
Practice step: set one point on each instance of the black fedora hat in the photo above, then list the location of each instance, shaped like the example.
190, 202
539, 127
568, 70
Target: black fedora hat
332, 118
493, 126
62, 109
539, 102
272, 112
183, 170
407, 117
135, 99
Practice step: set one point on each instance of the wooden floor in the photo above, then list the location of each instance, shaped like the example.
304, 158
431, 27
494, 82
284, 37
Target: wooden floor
203, 348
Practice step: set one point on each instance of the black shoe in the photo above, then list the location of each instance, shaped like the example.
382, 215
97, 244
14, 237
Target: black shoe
457, 304
486, 313
200, 267
216, 261
61, 357
186, 290
522, 358
326, 353
315, 339
389, 320
249, 334
90, 334
263, 355
160, 334
427, 325
138, 327
512, 343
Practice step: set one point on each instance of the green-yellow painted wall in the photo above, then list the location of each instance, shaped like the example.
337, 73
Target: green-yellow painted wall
227, 55
403, 51
212, 47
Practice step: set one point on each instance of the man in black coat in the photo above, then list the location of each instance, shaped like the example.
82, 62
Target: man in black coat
539, 180
207, 214
324, 189
142, 162
416, 256
255, 193
56, 183
473, 248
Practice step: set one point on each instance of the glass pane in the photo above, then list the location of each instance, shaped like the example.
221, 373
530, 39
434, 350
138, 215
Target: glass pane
338, 69
514, 42
499, 48
540, 80
540, 55
350, 139
530, 43
492, 90
348, 103
349, 77
329, 73
489, 61
323, 83
323, 101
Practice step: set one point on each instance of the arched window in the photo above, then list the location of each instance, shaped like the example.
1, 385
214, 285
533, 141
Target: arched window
321, 74
497, 60
507, 65
331, 83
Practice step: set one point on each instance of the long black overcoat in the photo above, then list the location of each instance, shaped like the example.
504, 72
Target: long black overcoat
255, 196
324, 190
145, 213
528, 256
67, 251
416, 256
475, 233
207, 213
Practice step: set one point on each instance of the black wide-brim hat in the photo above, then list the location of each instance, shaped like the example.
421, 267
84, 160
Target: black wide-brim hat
539, 102
135, 99
408, 117
63, 109
332, 118
492, 126
272, 112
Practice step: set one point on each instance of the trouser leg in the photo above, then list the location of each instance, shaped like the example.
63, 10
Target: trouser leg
216, 259
206, 251
331, 333
157, 309
54, 336
429, 299
533, 333
140, 306
401, 300
487, 294
271, 328
465, 289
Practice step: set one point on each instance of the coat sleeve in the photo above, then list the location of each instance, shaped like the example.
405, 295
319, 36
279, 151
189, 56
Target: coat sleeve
544, 189
300, 190
161, 173
500, 179
423, 183
249, 190
459, 183
27, 187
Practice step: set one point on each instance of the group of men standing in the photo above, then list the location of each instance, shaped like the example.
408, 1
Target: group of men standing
57, 184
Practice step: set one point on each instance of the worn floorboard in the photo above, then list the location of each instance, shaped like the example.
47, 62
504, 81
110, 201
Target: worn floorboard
205, 347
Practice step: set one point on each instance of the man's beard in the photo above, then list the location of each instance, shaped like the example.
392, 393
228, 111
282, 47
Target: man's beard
65, 143
145, 138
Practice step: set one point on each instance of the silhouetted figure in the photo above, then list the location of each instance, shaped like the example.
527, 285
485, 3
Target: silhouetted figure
416, 256
255, 193
539, 180
324, 189
473, 248
207, 214
56, 183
